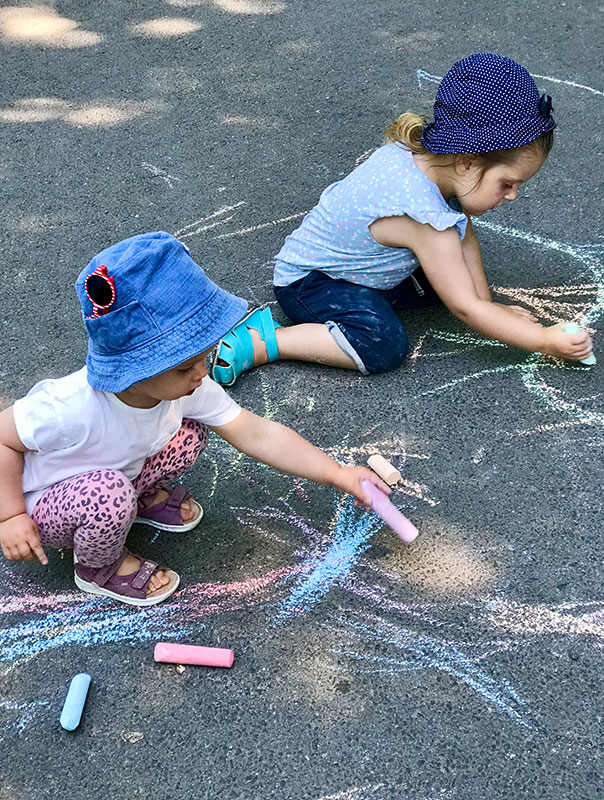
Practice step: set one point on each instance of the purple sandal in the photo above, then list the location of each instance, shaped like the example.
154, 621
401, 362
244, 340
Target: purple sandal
130, 589
166, 515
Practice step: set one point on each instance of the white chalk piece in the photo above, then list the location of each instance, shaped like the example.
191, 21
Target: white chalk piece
193, 654
74, 702
384, 469
572, 327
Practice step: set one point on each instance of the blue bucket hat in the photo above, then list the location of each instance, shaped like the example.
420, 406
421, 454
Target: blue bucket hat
147, 307
487, 102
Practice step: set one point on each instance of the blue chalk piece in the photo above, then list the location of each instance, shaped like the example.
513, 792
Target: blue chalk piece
572, 327
74, 702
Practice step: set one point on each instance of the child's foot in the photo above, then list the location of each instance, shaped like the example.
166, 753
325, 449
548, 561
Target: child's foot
189, 509
260, 355
158, 580
251, 343
130, 579
171, 510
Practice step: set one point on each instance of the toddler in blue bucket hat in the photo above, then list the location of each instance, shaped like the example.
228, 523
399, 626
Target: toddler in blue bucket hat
85, 456
396, 234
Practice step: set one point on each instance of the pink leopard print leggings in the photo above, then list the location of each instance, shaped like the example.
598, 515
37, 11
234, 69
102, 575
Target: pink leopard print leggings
93, 512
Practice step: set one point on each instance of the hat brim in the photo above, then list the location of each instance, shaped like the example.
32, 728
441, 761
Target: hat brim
485, 139
199, 332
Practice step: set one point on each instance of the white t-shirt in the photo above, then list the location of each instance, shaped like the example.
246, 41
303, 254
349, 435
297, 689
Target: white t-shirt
70, 428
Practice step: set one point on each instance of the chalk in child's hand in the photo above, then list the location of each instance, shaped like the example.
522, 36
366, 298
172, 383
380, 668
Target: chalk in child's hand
74, 702
191, 654
381, 504
572, 327
384, 469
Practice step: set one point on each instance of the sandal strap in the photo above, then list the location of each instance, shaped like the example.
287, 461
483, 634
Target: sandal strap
267, 333
236, 348
103, 574
175, 498
147, 497
241, 346
144, 574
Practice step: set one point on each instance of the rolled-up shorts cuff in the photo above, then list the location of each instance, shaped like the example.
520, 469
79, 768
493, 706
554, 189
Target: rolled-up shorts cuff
343, 342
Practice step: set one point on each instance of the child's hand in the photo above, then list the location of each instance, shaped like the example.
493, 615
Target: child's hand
522, 312
574, 346
20, 539
348, 479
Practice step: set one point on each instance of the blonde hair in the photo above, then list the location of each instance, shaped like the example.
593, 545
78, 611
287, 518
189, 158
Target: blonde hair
407, 130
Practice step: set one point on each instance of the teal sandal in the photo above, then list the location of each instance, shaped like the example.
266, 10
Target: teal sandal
236, 349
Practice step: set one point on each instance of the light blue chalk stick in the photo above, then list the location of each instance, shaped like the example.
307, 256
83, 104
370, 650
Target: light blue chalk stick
74, 702
572, 327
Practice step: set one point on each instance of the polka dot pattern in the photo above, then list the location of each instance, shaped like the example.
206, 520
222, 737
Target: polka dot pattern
334, 237
487, 102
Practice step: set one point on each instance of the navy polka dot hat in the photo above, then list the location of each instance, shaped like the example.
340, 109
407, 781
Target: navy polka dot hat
487, 102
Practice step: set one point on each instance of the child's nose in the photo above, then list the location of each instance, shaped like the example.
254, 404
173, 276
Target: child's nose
200, 371
512, 194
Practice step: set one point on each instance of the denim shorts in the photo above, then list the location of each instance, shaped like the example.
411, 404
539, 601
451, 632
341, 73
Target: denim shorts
363, 321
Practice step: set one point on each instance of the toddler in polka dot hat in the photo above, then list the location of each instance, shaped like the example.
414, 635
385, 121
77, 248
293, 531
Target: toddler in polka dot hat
397, 234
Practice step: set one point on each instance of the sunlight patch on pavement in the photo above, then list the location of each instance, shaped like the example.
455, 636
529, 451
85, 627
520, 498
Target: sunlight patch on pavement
164, 27
250, 6
40, 25
101, 113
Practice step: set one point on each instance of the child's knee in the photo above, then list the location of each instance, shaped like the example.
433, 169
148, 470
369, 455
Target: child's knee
377, 337
108, 494
390, 354
99, 500
110, 506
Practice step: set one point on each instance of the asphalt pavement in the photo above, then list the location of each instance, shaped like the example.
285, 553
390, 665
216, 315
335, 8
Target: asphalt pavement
467, 666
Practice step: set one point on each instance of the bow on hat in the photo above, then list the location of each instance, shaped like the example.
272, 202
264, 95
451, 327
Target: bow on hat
545, 106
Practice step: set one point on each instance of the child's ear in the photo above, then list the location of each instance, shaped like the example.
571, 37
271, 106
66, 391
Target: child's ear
465, 163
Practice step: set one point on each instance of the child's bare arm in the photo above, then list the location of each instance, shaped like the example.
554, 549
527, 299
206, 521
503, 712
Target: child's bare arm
11, 467
19, 534
281, 447
473, 259
442, 258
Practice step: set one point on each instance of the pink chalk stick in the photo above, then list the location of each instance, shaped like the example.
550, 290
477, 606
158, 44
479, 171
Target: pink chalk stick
190, 654
381, 504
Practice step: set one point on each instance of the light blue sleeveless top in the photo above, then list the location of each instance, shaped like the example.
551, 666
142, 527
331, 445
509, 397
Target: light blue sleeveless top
334, 237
